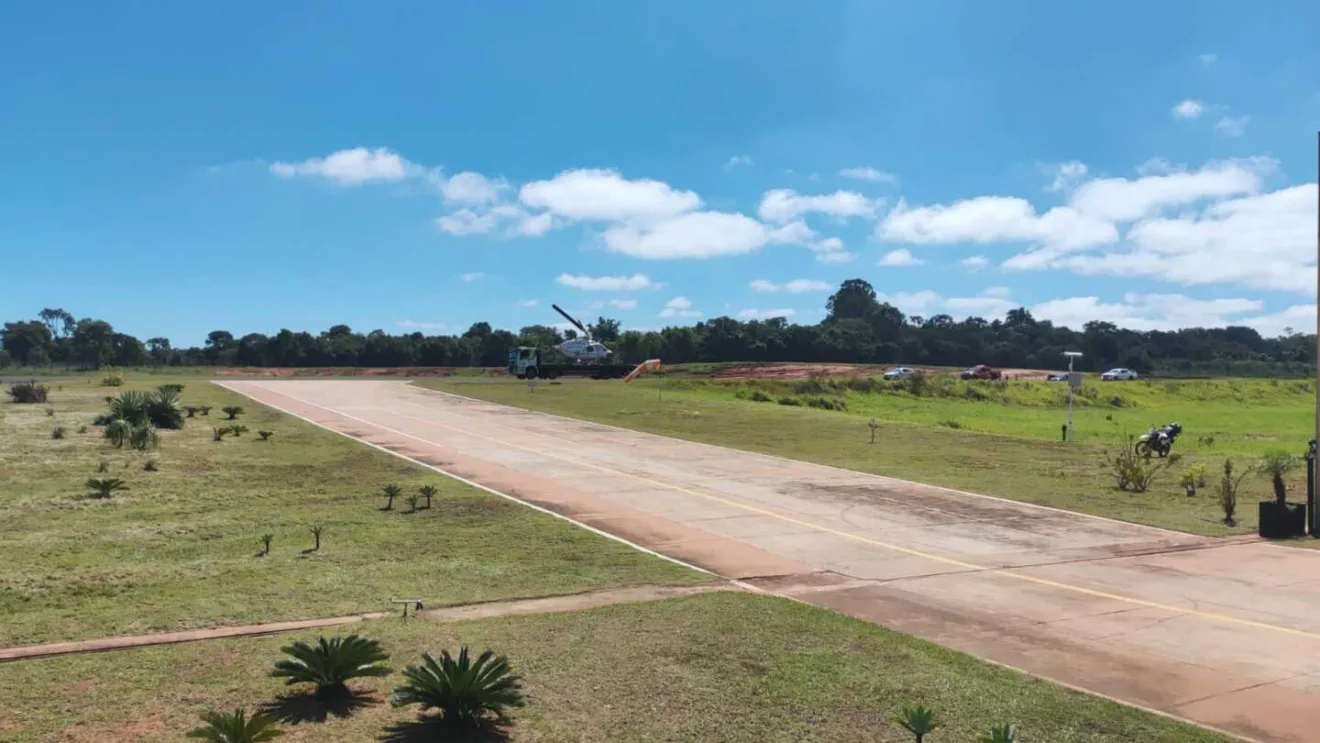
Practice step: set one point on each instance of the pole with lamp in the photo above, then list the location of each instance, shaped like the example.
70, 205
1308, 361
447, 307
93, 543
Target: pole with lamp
1074, 381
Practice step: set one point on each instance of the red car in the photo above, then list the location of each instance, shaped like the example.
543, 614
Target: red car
980, 371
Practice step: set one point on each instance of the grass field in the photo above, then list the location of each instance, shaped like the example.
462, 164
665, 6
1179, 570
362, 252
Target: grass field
999, 439
179, 548
726, 666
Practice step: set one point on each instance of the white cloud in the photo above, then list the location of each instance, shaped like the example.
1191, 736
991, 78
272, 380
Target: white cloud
1145, 311
974, 263
1208, 59
989, 219
1188, 109
528, 302
415, 325
699, 235
796, 286
1231, 126
784, 205
867, 173
983, 306
738, 161
1299, 318
913, 303
996, 291
351, 167
471, 188
755, 314
623, 304
900, 257
835, 258
1065, 175
679, 307
473, 276
606, 283
605, 195
1124, 199
514, 219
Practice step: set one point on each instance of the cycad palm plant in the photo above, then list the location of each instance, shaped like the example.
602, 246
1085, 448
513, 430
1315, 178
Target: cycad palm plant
1275, 465
331, 663
131, 406
221, 727
104, 487
999, 734
163, 409
464, 691
143, 437
428, 492
918, 720
390, 492
118, 432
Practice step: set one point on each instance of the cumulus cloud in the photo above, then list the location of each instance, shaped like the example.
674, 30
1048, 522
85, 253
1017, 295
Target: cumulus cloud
867, 173
755, 314
991, 219
785, 205
1065, 175
605, 195
900, 257
473, 276
417, 325
623, 304
514, 220
796, 286
700, 235
1188, 109
351, 167
471, 188
679, 307
528, 302
1232, 126
606, 283
1146, 311
1126, 199
738, 161
835, 258
974, 263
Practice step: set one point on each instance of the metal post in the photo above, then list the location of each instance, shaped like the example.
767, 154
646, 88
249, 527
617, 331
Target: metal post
1313, 523
1070, 396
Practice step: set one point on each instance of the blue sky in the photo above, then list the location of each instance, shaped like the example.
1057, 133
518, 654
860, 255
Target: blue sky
176, 168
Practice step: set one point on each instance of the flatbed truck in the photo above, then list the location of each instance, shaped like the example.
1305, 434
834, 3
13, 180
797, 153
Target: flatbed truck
527, 363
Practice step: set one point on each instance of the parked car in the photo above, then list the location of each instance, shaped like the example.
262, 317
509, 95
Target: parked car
1118, 375
980, 371
899, 372
1060, 377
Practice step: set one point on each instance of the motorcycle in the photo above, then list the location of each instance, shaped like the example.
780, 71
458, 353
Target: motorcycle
1159, 440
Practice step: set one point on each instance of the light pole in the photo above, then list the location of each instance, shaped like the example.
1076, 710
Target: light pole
1072, 382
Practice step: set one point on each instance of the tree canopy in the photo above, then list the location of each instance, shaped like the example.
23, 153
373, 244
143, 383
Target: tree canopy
858, 328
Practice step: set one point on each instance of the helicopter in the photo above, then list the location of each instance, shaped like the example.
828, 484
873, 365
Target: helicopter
581, 349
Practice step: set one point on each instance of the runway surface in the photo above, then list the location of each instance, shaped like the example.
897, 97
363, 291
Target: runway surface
1222, 632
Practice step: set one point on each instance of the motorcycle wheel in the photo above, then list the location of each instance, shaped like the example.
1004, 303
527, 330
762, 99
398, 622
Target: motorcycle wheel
1143, 448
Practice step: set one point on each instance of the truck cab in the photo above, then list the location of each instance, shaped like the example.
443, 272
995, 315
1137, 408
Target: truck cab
525, 362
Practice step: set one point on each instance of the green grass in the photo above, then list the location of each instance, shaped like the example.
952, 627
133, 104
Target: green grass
179, 548
730, 667
998, 439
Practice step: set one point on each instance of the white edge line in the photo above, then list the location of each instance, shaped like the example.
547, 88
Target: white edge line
774, 457
738, 583
466, 481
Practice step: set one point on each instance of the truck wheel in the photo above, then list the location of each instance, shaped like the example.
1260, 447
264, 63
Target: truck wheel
531, 372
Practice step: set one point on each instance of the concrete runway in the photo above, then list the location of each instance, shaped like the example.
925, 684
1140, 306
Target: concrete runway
1222, 632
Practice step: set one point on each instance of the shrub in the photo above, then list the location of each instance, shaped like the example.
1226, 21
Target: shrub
953, 423
464, 691
113, 380
103, 465
265, 435
826, 403
793, 401
428, 492
265, 543
236, 728
317, 531
238, 430
218, 433
28, 392
1228, 491
204, 409
143, 437
916, 384
331, 663
101, 420
50, 412
1193, 477
1134, 472
390, 492
1274, 466
813, 385
231, 412
998, 734
759, 396
82, 429
918, 720
412, 502
150, 465
191, 410
104, 487
118, 432
58, 432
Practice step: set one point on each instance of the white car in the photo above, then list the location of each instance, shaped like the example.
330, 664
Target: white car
1118, 375
899, 372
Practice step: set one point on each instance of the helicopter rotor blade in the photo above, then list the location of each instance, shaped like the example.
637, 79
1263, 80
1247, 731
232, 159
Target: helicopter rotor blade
573, 320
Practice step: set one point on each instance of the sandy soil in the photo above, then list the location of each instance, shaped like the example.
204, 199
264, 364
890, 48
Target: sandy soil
1222, 632
803, 371
406, 372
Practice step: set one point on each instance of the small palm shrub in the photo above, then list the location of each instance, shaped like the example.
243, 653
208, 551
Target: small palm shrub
412, 502
150, 465
1228, 490
220, 727
50, 412
265, 543
238, 430
329, 664
58, 432
390, 492
265, 435
112, 380
219, 433
191, 410
103, 465
82, 429
317, 531
104, 487
918, 720
204, 409
28, 392
428, 492
231, 412
117, 432
998, 734
463, 690
143, 437
1274, 466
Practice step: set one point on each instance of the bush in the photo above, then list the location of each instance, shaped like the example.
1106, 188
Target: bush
150, 465
916, 384
1134, 472
28, 392
219, 433
331, 663
82, 429
1228, 492
813, 385
236, 728
1193, 477
101, 420
231, 412
759, 396
112, 380
1274, 466
104, 487
50, 412
464, 691
58, 432
951, 423
826, 403
265, 435
790, 401
103, 465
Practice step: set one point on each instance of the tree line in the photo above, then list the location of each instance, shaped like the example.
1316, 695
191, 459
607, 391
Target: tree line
858, 328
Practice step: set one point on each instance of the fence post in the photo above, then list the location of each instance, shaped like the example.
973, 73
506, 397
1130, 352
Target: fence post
1312, 522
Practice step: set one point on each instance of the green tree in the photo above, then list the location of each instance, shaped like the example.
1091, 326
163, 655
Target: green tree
27, 342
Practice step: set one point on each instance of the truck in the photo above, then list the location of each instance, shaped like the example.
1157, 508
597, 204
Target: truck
980, 371
526, 362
